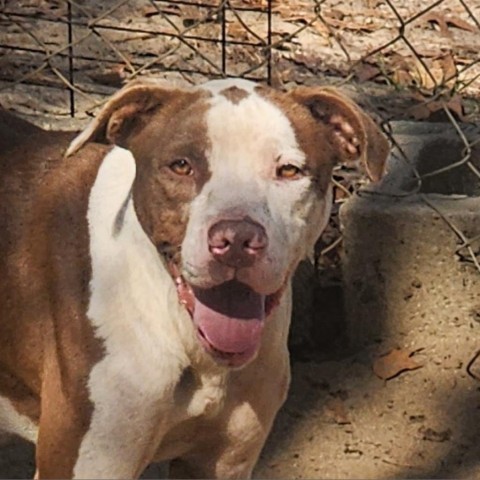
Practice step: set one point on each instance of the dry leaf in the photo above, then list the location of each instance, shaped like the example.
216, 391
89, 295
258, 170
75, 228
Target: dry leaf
427, 76
393, 363
435, 436
420, 112
462, 24
427, 109
402, 77
238, 32
350, 25
443, 22
149, 11
113, 76
152, 10
366, 71
449, 68
440, 20
336, 410
401, 70
455, 105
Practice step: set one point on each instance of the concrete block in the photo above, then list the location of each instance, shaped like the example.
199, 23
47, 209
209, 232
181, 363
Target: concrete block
404, 269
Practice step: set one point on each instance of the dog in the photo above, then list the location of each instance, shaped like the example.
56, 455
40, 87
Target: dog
145, 288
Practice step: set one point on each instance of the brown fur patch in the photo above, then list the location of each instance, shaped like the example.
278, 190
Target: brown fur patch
47, 344
234, 94
162, 197
14, 131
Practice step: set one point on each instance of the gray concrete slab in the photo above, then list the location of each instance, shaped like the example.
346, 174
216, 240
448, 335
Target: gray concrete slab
403, 267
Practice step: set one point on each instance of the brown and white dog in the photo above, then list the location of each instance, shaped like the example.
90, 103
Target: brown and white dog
145, 287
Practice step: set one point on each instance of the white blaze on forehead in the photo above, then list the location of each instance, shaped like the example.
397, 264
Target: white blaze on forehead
249, 135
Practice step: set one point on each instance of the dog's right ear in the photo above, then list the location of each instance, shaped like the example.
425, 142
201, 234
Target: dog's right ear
124, 112
355, 134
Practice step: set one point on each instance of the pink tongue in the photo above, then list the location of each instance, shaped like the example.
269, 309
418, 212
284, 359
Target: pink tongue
230, 316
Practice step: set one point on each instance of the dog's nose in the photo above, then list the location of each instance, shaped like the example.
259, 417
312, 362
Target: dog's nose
237, 243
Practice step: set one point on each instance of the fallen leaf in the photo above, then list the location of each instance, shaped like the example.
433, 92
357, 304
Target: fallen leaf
238, 32
440, 20
403, 77
351, 25
447, 63
366, 71
444, 21
336, 410
149, 11
426, 76
455, 105
393, 363
427, 109
434, 436
419, 112
113, 76
462, 24
152, 10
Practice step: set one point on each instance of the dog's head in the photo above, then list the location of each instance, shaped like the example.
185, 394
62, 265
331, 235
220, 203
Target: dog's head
233, 188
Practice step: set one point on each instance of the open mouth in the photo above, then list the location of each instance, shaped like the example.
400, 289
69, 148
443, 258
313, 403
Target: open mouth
229, 318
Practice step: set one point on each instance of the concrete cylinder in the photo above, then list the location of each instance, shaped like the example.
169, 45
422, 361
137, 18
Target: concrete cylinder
404, 269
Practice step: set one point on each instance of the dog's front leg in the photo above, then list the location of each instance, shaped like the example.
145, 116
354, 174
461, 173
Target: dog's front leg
125, 456
221, 460
230, 446
107, 428
121, 440
65, 417
119, 443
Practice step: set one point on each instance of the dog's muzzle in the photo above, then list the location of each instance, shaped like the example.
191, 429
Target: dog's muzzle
229, 318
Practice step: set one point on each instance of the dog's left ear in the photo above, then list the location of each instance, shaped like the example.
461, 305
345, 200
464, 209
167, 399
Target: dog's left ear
356, 135
124, 112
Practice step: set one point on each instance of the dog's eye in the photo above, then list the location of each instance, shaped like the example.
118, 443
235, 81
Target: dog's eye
289, 172
181, 167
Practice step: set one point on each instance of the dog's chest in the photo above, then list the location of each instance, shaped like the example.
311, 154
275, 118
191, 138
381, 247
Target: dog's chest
201, 394
201, 401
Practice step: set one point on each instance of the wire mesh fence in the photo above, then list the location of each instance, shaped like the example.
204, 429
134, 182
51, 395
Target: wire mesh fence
85, 50
401, 59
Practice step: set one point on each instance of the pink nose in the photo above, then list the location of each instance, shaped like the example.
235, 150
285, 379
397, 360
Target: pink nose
237, 243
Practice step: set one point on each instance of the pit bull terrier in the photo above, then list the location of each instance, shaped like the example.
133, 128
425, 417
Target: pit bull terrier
145, 293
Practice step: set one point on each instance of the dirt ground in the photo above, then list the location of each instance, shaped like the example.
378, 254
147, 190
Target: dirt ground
341, 420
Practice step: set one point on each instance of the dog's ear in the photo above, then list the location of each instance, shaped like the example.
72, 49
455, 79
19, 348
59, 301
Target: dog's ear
356, 135
125, 111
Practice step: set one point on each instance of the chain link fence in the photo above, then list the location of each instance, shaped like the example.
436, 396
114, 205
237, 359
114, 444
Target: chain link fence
401, 59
